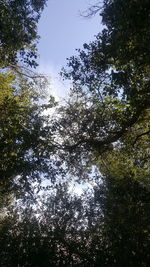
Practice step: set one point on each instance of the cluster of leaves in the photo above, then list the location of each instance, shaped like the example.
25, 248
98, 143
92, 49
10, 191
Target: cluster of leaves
18, 30
110, 100
25, 137
105, 228
27, 153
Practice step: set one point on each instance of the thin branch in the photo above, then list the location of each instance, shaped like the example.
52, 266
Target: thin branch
92, 10
140, 135
22, 70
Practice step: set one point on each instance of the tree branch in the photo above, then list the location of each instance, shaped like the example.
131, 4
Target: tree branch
140, 135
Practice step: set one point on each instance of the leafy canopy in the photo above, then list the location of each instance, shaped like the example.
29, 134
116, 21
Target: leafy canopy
18, 31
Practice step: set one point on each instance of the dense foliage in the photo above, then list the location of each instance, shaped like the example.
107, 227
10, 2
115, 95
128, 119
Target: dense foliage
18, 31
100, 139
103, 228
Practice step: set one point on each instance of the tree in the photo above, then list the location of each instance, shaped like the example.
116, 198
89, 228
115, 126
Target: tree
127, 24
51, 238
19, 36
125, 232
25, 136
110, 79
107, 124
101, 229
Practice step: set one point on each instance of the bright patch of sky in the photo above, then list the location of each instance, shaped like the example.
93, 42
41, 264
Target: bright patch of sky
62, 30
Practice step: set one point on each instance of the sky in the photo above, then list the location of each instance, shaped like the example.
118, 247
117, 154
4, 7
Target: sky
62, 30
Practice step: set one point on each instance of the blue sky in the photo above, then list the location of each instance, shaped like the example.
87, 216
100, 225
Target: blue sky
62, 30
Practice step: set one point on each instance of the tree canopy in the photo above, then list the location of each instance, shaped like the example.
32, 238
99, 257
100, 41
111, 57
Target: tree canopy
18, 31
109, 105
99, 138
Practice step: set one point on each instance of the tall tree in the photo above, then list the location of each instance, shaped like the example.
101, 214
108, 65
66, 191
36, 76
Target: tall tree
111, 78
25, 136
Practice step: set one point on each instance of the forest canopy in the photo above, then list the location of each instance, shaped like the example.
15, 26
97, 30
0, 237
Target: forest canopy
99, 139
